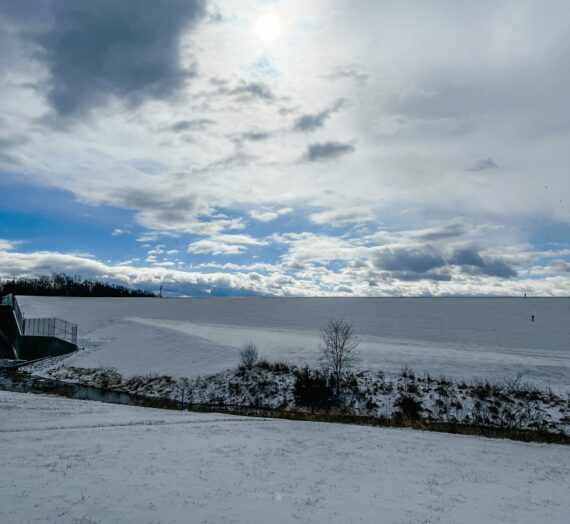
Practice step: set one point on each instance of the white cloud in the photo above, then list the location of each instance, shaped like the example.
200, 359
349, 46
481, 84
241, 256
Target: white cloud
224, 244
310, 248
363, 280
203, 247
7, 245
343, 217
268, 216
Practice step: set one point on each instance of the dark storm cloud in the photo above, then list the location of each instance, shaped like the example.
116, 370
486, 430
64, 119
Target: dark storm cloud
20, 11
162, 208
472, 261
352, 72
427, 262
416, 260
255, 136
483, 165
191, 125
450, 230
128, 49
327, 151
307, 123
253, 89
412, 277
311, 122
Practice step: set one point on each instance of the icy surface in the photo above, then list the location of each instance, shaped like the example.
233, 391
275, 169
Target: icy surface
457, 337
75, 461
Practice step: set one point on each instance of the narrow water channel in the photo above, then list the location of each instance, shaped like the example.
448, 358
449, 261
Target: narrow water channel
21, 382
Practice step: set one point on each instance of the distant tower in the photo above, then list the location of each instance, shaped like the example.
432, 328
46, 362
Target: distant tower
160, 291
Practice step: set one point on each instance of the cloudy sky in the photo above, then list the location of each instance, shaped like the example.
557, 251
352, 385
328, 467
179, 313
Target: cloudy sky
330, 147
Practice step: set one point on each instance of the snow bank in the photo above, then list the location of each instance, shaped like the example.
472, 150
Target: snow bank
66, 461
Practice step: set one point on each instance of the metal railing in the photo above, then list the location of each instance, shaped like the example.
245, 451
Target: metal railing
50, 327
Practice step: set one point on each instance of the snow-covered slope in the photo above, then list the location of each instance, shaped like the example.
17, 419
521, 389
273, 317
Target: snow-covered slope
67, 461
459, 337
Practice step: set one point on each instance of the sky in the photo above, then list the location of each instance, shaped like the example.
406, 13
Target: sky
294, 148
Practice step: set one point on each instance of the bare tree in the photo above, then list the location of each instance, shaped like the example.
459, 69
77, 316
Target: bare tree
339, 349
184, 390
248, 355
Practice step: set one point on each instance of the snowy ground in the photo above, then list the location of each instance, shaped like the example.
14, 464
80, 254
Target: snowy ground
457, 337
74, 461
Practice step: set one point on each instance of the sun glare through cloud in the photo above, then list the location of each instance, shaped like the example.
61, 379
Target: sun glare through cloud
268, 27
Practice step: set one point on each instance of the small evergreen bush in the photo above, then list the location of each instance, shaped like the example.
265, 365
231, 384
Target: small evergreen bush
313, 390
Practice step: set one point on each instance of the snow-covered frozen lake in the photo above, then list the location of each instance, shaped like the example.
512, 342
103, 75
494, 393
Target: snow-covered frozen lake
458, 337
70, 461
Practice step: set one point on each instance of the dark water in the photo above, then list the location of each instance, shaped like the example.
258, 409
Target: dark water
19, 382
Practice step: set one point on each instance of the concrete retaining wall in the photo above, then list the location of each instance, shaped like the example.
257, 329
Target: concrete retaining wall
31, 347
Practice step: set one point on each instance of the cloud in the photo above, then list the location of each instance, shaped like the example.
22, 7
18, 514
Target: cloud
7, 245
203, 247
453, 229
405, 261
129, 50
561, 266
255, 136
415, 260
343, 217
310, 248
160, 209
253, 89
349, 72
264, 216
198, 124
483, 165
492, 267
284, 279
223, 245
268, 216
239, 239
449, 231
327, 151
311, 122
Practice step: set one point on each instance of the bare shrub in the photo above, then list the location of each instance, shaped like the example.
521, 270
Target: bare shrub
248, 356
108, 378
407, 372
509, 404
274, 367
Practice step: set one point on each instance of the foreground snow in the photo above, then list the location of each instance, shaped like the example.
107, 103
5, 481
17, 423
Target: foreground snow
75, 461
462, 338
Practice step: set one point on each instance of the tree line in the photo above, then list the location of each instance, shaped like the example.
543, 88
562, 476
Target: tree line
62, 285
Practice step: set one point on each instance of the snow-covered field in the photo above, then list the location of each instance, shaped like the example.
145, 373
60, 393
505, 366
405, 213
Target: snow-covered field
70, 461
456, 337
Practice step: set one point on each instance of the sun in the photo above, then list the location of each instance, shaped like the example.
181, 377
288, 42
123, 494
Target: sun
268, 27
